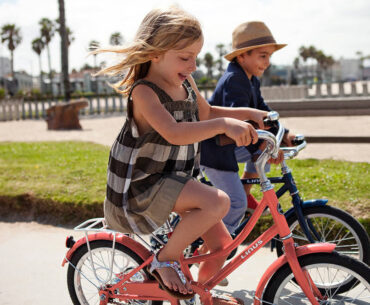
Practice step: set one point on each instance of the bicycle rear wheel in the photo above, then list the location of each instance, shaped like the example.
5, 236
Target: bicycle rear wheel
83, 285
327, 270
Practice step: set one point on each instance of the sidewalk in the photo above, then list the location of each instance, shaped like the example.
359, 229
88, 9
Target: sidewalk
104, 130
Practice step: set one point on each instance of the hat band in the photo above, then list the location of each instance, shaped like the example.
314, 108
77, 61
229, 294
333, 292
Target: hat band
256, 42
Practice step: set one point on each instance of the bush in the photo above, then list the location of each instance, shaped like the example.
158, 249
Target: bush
35, 94
2, 93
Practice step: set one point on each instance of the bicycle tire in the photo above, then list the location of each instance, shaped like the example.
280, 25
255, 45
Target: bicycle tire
347, 226
341, 217
124, 261
322, 267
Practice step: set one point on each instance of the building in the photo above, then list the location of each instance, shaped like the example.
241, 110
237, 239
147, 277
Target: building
347, 70
4, 66
25, 81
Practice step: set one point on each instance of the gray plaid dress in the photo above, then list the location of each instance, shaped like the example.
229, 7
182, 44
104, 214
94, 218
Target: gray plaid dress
146, 173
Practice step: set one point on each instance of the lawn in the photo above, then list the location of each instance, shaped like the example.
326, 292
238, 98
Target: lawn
68, 179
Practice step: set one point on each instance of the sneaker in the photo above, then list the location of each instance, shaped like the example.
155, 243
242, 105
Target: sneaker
253, 204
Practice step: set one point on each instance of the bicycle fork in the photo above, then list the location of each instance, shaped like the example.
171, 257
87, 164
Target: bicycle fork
303, 278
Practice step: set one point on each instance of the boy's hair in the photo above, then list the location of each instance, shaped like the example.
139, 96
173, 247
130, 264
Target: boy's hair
160, 31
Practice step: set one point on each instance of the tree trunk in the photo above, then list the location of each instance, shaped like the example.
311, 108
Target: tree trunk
50, 74
40, 66
12, 64
64, 50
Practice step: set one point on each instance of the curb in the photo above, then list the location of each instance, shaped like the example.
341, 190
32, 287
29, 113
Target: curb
334, 139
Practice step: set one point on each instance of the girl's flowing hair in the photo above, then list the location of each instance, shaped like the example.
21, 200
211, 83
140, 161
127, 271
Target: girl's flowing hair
160, 31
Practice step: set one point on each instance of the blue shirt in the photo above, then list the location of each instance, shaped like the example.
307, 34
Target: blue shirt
234, 89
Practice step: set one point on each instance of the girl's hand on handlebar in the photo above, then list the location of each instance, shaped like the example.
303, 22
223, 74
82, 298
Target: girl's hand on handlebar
258, 116
241, 132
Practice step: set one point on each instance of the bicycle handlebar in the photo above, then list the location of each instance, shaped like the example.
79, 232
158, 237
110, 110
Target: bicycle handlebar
271, 150
270, 121
291, 152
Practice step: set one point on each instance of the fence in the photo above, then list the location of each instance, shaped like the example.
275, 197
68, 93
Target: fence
19, 109
325, 99
319, 91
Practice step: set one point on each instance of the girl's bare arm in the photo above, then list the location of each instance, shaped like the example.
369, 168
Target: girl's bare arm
150, 113
207, 112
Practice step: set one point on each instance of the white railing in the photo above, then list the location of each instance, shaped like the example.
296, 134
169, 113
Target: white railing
332, 90
107, 105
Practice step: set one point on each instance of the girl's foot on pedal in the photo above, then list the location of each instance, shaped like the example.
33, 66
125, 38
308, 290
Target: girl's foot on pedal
171, 278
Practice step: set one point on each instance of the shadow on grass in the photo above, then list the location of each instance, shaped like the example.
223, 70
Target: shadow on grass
27, 207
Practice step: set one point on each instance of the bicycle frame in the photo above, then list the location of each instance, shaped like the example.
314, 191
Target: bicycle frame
298, 204
149, 290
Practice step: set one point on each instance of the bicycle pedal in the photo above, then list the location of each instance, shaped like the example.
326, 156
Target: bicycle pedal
195, 300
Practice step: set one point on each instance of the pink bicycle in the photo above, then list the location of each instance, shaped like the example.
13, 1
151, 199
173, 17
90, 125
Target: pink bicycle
108, 267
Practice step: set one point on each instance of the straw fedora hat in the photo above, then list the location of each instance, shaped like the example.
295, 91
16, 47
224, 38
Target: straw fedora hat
251, 35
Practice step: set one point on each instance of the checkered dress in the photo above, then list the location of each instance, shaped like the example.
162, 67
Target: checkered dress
144, 172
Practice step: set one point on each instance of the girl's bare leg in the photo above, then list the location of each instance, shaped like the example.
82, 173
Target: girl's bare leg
202, 208
215, 239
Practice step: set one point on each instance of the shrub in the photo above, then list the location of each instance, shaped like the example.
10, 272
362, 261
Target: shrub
2, 93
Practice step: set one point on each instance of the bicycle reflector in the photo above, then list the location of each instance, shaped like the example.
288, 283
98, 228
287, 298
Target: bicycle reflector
70, 241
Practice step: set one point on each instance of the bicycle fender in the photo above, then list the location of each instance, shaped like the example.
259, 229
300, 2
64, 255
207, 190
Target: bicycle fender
123, 239
301, 251
307, 204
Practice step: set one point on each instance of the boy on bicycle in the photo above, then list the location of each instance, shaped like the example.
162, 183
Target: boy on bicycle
253, 45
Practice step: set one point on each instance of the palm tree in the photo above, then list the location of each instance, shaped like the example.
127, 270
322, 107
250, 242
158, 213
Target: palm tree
37, 46
221, 52
303, 52
116, 39
295, 72
12, 35
307, 53
70, 37
209, 64
47, 31
93, 45
362, 58
64, 48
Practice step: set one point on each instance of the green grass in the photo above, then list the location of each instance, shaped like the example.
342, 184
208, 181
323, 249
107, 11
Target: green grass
57, 171
345, 184
73, 174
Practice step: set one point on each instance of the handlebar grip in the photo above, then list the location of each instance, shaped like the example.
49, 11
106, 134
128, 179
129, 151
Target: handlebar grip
222, 140
267, 122
298, 140
270, 121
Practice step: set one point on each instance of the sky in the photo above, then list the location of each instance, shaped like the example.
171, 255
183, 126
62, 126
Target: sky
338, 27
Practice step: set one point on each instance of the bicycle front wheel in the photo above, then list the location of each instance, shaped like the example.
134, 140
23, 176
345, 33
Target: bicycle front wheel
84, 283
327, 270
335, 226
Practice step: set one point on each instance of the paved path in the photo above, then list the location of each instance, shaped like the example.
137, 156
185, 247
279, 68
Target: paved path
31, 272
104, 131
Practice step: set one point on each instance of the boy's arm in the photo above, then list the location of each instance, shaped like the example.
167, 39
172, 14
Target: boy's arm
208, 112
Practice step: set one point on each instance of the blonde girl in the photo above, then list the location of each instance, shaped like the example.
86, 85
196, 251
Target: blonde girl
154, 160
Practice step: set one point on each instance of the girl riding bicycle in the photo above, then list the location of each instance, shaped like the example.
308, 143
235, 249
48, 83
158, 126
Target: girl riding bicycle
154, 160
